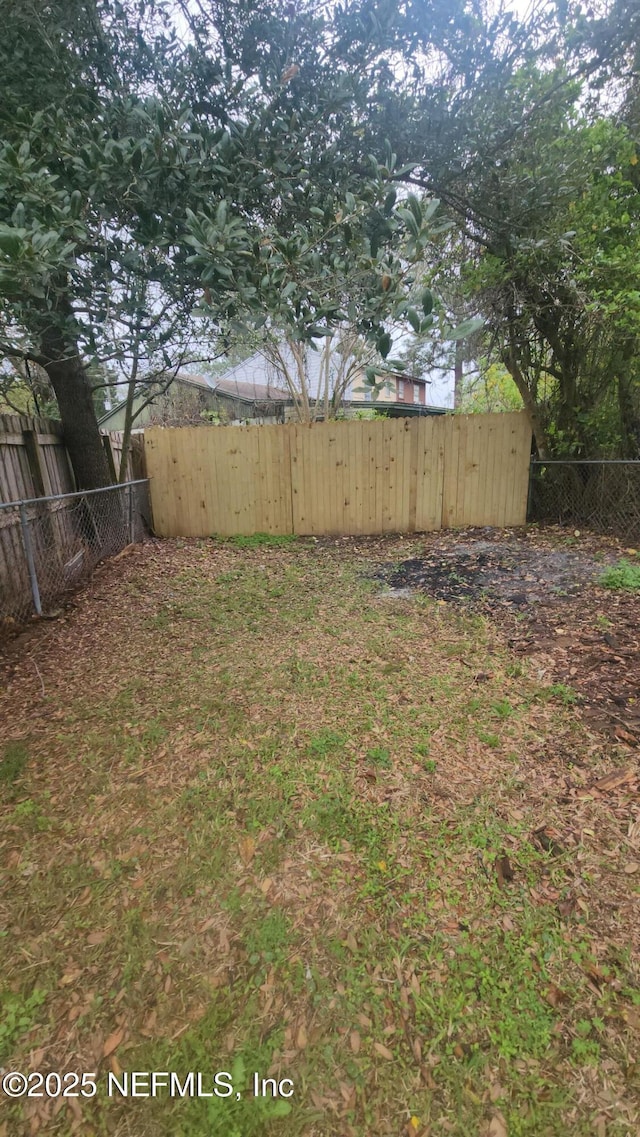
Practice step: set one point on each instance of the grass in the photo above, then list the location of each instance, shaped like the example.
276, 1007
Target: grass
261, 540
272, 848
12, 763
623, 575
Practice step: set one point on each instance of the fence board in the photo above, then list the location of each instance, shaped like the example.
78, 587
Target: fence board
355, 477
429, 474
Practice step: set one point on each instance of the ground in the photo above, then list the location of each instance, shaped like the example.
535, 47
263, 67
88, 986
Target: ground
261, 812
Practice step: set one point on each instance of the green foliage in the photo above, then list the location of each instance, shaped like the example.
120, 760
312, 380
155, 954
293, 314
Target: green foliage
258, 540
368, 415
501, 993
492, 390
380, 756
623, 575
347, 263
566, 694
544, 205
14, 759
173, 162
18, 1015
325, 742
268, 938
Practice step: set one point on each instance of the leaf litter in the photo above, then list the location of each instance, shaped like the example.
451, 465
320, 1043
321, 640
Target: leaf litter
268, 813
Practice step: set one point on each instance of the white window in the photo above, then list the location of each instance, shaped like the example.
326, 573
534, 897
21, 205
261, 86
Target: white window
401, 388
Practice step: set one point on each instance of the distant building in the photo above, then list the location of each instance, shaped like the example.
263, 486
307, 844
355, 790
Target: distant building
400, 394
255, 391
400, 390
192, 400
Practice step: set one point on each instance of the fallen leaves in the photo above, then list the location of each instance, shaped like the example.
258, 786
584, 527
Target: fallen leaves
383, 1051
112, 1042
498, 1126
94, 939
547, 839
247, 849
555, 996
319, 882
614, 780
566, 907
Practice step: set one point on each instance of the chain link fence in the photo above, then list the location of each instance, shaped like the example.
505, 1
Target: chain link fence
603, 496
49, 544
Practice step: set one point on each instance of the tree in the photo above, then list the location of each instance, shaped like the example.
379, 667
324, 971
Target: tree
559, 297
494, 123
342, 277
151, 169
491, 389
133, 143
93, 181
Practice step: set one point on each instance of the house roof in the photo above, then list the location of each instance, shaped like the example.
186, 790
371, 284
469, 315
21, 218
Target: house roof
186, 380
250, 392
245, 381
198, 380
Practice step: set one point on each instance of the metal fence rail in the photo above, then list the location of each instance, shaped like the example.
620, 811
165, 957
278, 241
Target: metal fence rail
49, 544
604, 496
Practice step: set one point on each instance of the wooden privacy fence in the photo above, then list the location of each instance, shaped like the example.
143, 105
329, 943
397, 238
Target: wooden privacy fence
34, 460
396, 475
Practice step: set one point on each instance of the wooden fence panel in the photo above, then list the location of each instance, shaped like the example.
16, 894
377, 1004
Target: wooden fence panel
231, 480
34, 460
486, 470
353, 477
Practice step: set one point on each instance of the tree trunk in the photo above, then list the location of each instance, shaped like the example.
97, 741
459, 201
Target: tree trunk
458, 376
73, 393
530, 404
126, 433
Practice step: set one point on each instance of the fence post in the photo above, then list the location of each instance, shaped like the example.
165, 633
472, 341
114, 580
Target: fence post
111, 461
131, 533
31, 565
529, 490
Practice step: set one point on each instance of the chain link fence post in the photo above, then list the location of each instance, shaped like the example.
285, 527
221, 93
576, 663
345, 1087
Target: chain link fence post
31, 564
131, 532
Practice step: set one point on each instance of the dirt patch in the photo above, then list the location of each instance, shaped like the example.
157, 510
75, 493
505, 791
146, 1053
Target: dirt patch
510, 572
542, 587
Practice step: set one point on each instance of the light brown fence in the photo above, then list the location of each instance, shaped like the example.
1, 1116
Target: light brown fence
396, 475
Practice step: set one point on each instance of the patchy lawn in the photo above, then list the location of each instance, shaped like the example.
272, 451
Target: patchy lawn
259, 816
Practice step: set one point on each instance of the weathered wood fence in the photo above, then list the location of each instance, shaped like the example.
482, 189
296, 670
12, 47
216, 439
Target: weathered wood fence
396, 475
34, 460
34, 464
